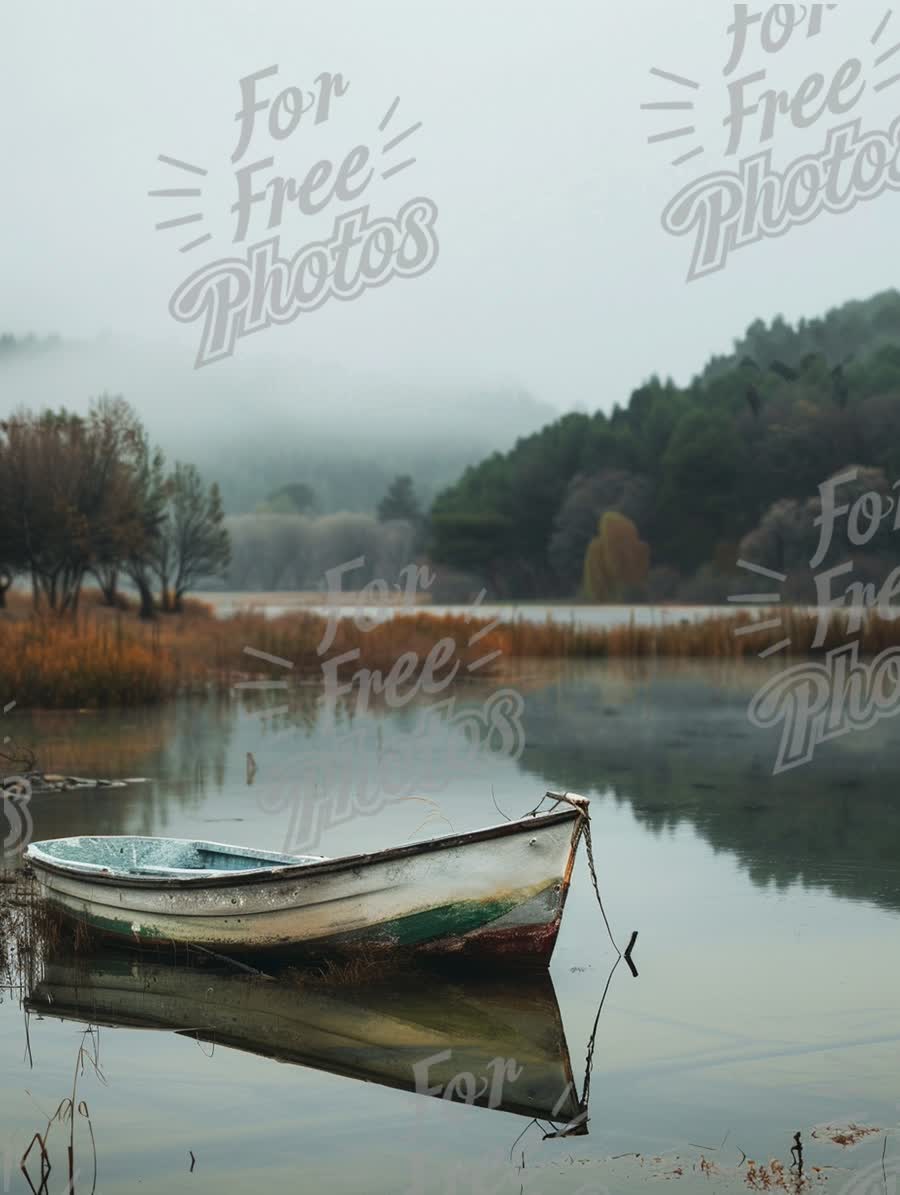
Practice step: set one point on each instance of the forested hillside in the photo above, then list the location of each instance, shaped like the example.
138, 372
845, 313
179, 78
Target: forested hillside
732, 462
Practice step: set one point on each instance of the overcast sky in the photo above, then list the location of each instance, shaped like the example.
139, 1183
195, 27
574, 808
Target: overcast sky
553, 271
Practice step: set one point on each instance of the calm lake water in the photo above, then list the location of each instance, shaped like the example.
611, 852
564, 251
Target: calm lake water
584, 615
768, 911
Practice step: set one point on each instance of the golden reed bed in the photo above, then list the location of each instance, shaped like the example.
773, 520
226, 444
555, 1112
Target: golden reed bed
108, 657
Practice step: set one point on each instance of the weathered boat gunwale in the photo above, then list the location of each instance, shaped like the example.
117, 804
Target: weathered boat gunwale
235, 879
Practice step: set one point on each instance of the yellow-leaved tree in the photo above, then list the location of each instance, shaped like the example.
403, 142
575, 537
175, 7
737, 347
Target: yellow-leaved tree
617, 560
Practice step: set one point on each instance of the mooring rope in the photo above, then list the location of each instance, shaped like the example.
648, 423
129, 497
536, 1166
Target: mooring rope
589, 1059
584, 829
578, 1125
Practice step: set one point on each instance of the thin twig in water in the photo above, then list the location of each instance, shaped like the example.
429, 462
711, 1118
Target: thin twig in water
28, 1053
883, 1171
22, 758
436, 811
711, 1148
200, 1043
67, 1109
797, 1153
224, 958
45, 1165
520, 1136
429, 818
497, 807
83, 1111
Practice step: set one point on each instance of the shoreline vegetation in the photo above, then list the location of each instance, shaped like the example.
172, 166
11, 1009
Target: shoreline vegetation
105, 657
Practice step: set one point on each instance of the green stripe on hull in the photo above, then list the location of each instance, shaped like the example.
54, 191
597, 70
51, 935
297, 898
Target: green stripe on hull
448, 921
445, 921
112, 925
453, 920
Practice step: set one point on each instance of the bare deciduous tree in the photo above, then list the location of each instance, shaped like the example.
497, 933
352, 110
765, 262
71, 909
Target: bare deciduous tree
69, 502
140, 552
193, 540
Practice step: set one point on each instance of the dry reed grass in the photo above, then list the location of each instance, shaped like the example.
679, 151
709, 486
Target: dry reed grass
108, 657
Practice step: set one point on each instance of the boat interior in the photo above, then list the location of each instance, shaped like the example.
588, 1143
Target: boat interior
162, 856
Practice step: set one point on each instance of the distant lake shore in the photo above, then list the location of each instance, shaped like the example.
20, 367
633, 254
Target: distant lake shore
586, 614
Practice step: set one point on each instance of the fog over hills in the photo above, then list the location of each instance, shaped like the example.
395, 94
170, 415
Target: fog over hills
261, 422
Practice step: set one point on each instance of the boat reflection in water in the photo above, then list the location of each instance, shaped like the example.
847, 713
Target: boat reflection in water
490, 1043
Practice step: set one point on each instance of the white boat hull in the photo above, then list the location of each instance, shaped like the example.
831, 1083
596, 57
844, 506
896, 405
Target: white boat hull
496, 892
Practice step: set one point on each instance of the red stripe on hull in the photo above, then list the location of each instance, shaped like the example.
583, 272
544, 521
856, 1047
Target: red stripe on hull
530, 944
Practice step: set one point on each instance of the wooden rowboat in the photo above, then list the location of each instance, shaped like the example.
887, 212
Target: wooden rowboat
496, 1044
493, 893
